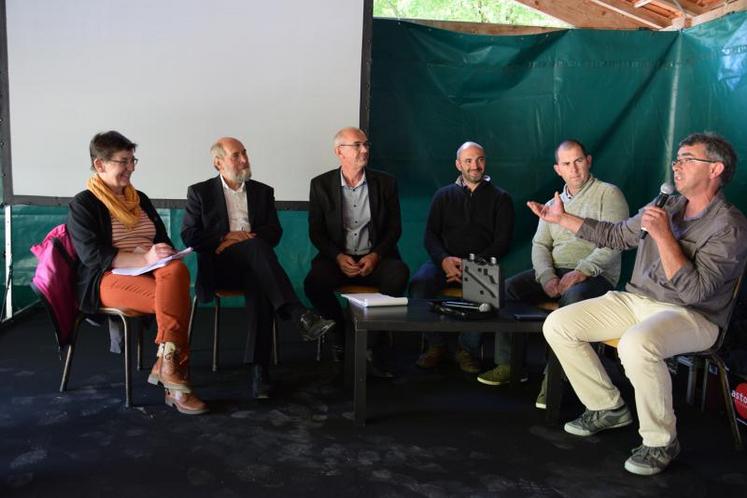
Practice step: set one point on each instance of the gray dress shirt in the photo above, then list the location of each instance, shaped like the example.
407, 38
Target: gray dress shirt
713, 242
356, 217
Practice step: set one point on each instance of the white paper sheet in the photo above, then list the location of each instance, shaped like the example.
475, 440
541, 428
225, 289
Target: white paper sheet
370, 300
158, 264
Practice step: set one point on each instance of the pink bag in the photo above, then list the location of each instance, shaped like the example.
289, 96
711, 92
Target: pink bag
55, 281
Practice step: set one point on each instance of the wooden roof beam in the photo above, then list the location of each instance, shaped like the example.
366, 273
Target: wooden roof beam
688, 7
691, 7
647, 18
481, 28
584, 14
735, 6
687, 22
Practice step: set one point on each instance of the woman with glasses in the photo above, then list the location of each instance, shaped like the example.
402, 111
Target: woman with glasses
112, 225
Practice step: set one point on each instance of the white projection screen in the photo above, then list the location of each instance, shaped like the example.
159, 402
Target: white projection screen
174, 75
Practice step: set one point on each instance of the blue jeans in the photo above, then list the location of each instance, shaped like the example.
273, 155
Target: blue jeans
428, 283
524, 288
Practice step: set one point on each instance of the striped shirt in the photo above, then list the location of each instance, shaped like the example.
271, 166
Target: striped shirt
141, 235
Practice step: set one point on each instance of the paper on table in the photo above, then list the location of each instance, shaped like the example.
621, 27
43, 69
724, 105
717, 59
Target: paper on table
158, 264
368, 300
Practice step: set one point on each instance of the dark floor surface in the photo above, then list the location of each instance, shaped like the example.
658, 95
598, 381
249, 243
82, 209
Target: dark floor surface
438, 434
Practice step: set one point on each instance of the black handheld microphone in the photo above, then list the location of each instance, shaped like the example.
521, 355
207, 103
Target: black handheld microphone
665, 191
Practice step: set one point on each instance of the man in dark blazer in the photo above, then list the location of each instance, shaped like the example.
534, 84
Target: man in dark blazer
231, 222
354, 222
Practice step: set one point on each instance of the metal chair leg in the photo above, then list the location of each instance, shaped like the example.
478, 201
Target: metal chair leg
274, 341
69, 357
692, 380
704, 388
66, 370
216, 329
319, 348
128, 372
730, 411
139, 345
191, 319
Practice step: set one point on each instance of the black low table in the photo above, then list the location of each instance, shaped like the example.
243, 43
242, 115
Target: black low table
418, 317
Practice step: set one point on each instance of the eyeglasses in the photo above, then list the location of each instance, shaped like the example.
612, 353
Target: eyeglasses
685, 160
358, 145
124, 162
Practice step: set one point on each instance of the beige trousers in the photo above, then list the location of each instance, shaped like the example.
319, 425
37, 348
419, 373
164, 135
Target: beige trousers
649, 331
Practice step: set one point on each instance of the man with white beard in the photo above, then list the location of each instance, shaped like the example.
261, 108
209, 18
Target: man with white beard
231, 221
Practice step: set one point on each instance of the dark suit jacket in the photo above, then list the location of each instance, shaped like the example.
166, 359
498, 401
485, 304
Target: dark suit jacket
206, 222
325, 214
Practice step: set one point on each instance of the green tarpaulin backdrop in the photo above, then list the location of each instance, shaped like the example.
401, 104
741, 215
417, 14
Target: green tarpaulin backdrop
629, 96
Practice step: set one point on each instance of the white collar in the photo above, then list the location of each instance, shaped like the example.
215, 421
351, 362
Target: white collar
241, 188
343, 183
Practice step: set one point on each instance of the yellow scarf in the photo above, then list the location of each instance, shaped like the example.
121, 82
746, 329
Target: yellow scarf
126, 210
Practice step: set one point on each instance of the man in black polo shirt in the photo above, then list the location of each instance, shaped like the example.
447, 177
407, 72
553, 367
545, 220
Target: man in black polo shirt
471, 215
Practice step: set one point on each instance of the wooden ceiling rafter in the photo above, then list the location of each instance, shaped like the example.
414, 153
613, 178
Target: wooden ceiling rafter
648, 18
482, 28
583, 14
636, 14
723, 8
657, 15
676, 8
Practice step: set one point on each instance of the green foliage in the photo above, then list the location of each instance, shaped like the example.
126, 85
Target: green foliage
487, 11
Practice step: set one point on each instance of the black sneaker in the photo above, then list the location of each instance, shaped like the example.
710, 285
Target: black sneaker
593, 421
650, 460
313, 326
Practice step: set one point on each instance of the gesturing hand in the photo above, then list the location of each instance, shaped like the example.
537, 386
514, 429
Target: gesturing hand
551, 212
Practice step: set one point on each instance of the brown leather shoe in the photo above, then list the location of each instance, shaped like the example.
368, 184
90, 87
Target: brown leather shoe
467, 362
432, 357
186, 403
155, 372
173, 375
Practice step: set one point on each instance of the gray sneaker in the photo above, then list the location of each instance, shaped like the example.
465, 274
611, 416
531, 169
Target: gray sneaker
592, 421
650, 460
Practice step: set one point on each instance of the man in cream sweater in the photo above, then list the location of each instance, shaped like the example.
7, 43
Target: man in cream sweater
564, 267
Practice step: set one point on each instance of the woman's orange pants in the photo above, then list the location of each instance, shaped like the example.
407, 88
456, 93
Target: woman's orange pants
163, 292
